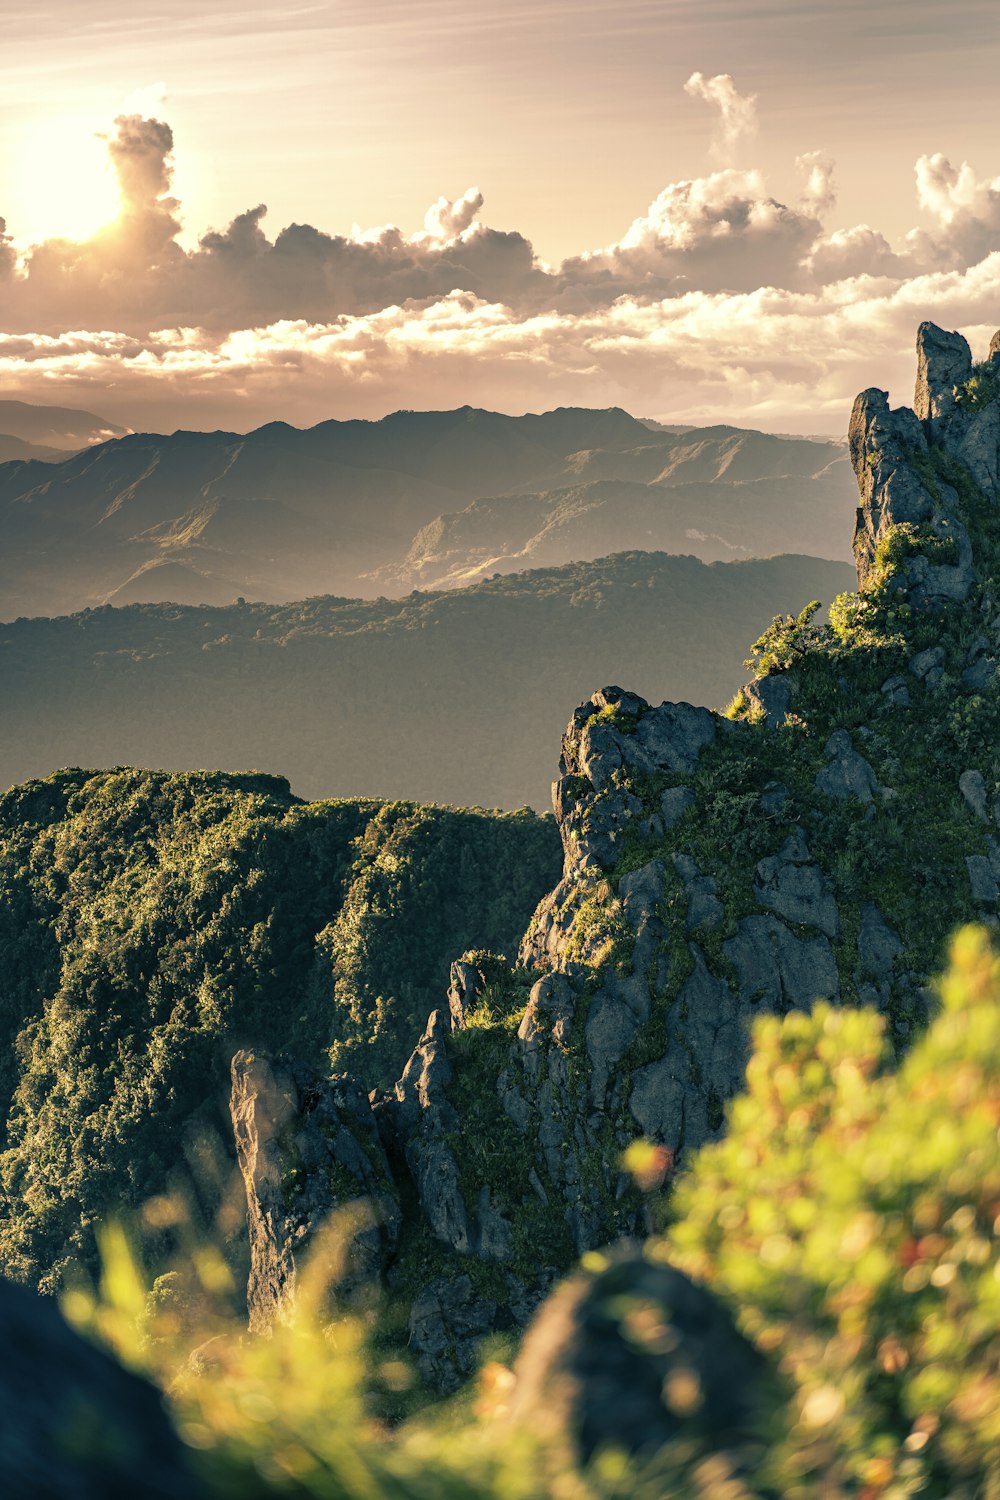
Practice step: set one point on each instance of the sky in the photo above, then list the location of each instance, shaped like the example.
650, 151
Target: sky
700, 210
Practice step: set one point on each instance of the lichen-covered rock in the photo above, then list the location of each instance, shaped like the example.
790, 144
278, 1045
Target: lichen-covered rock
770, 700
793, 885
307, 1146
846, 774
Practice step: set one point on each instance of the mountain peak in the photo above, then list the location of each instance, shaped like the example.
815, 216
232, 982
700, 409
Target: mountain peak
927, 475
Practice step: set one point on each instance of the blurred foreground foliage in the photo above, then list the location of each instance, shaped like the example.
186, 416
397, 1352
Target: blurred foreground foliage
850, 1219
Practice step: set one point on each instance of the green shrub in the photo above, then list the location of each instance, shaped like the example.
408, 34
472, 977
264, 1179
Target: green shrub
786, 640
981, 389
851, 1218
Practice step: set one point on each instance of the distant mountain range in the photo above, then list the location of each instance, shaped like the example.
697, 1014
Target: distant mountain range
452, 697
49, 433
374, 508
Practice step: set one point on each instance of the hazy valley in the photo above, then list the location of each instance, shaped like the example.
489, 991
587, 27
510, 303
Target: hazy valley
388, 698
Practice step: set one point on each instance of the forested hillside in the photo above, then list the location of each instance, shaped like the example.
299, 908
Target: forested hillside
152, 924
454, 697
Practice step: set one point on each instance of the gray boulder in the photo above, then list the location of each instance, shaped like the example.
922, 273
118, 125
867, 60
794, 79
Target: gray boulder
973, 788
636, 1357
982, 879
792, 885
74, 1425
771, 697
674, 804
980, 674
895, 690
847, 773
928, 666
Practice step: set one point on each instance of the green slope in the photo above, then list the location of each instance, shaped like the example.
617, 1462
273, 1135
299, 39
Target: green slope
151, 924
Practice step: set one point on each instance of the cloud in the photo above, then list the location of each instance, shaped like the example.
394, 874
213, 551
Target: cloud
848, 253
141, 152
965, 210
737, 121
8, 255
721, 232
720, 302
769, 357
446, 221
818, 196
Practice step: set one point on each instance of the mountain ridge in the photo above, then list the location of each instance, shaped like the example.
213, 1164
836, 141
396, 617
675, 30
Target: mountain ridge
282, 513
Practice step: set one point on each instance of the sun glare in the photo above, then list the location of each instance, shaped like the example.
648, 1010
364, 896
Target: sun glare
63, 183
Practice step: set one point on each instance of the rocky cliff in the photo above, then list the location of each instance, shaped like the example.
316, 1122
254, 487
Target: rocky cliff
819, 839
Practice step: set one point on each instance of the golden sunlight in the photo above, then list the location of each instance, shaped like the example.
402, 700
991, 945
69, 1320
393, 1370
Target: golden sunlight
64, 185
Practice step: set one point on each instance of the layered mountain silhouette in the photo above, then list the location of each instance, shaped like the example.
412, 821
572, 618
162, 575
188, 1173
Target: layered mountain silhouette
50, 433
369, 508
380, 697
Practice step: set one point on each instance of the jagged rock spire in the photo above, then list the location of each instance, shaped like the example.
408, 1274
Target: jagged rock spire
944, 364
897, 456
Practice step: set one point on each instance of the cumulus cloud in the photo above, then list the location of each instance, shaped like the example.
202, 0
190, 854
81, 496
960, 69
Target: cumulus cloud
847, 253
964, 208
737, 121
446, 221
719, 302
721, 232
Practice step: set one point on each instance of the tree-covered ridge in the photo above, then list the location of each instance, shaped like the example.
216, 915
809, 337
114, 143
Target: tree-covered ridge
150, 924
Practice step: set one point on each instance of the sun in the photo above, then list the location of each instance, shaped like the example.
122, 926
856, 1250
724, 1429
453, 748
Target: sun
63, 185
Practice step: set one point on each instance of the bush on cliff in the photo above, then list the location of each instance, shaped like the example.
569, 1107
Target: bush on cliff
851, 1218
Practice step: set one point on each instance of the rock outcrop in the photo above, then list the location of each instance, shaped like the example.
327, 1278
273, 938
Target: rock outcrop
632, 1355
308, 1146
818, 840
75, 1425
